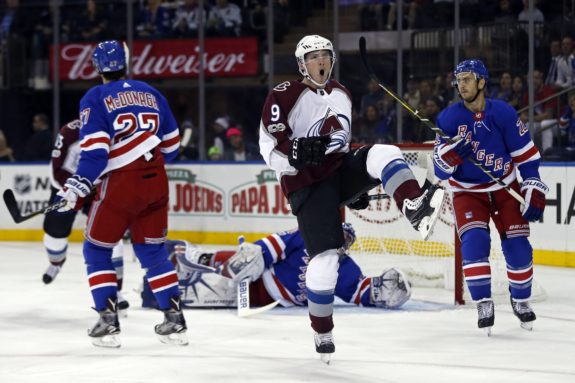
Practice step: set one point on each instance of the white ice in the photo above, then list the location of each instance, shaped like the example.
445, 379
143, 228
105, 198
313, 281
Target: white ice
43, 337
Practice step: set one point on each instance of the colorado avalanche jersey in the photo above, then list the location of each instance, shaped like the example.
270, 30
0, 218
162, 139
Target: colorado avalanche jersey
121, 121
500, 141
65, 154
293, 110
286, 263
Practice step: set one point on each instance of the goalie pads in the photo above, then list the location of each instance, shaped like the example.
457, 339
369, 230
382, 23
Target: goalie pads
390, 290
247, 262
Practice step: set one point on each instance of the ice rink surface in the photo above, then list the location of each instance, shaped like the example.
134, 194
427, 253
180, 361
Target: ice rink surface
43, 337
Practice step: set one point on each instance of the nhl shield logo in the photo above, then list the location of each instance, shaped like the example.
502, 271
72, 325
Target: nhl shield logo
23, 183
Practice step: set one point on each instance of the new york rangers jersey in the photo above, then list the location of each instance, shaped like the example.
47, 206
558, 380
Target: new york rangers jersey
65, 154
500, 141
286, 261
121, 121
293, 110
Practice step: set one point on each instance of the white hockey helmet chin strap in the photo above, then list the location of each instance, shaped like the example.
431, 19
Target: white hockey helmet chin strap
312, 43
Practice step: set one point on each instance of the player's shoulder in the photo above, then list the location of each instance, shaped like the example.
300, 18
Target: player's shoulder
93, 94
452, 112
72, 125
286, 94
334, 84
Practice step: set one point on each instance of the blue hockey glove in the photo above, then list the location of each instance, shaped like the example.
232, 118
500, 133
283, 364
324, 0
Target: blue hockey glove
534, 191
448, 156
75, 190
308, 151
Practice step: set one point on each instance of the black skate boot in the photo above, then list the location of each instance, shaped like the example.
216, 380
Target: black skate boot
423, 211
324, 346
524, 312
486, 315
173, 329
105, 333
52, 271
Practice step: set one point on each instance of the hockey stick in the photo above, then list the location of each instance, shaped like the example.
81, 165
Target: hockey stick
14, 210
244, 309
428, 123
372, 197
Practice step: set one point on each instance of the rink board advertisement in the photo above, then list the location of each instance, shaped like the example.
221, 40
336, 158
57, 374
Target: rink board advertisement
214, 203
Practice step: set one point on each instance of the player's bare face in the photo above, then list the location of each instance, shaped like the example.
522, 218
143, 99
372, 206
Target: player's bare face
467, 85
318, 65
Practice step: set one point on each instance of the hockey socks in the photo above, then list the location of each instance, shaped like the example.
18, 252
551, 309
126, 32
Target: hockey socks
163, 282
519, 258
101, 274
320, 305
475, 244
399, 182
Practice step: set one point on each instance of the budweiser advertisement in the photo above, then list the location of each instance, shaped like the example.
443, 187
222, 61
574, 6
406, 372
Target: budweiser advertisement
223, 57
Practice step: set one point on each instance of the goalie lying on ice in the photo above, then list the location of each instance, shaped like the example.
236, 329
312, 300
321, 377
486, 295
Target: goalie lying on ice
277, 267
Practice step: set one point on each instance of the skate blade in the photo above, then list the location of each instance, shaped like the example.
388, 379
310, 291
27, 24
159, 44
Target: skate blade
107, 341
428, 223
178, 339
527, 326
326, 358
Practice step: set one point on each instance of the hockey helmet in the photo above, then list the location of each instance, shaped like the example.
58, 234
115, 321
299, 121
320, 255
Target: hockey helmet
109, 56
474, 66
348, 235
312, 43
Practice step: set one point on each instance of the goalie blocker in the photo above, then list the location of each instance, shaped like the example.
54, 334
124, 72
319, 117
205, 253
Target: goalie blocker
275, 266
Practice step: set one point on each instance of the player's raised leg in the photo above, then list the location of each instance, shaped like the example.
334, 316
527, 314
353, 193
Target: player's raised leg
420, 206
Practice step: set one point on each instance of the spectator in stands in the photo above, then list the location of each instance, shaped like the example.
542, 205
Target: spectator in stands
567, 123
282, 20
412, 97
92, 22
239, 149
517, 92
411, 8
503, 91
425, 92
187, 19
371, 125
374, 95
370, 14
14, 21
215, 154
188, 145
430, 109
523, 16
504, 13
225, 19
257, 18
555, 52
155, 21
39, 146
543, 113
565, 64
6, 153
218, 133
448, 94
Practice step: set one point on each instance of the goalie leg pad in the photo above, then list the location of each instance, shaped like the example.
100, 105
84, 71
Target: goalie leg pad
519, 258
475, 245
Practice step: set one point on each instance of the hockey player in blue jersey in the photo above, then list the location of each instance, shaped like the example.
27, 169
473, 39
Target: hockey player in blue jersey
277, 269
127, 134
490, 132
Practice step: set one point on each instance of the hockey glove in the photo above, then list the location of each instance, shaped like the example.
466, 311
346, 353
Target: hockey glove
362, 202
534, 191
75, 190
308, 151
448, 156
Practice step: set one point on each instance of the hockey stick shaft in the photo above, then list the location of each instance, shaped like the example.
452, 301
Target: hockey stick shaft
14, 210
372, 197
428, 123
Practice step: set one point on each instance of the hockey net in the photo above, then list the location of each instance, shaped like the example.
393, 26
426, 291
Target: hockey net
386, 239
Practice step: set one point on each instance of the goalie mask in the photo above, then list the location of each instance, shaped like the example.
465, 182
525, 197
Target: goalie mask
390, 290
312, 43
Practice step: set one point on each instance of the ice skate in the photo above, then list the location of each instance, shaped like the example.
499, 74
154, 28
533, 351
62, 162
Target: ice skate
324, 346
524, 312
123, 305
486, 315
105, 333
51, 272
424, 210
173, 329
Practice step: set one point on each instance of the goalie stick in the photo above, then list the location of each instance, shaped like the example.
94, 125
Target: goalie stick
244, 309
14, 210
428, 123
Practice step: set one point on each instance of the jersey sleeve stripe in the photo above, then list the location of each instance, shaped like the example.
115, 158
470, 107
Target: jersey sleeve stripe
530, 154
171, 135
361, 288
96, 143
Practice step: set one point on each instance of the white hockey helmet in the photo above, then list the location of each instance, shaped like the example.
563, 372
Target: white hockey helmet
312, 43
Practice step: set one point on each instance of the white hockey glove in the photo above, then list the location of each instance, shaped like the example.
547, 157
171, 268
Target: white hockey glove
248, 261
75, 190
390, 290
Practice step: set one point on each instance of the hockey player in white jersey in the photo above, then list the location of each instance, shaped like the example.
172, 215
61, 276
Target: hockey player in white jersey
305, 133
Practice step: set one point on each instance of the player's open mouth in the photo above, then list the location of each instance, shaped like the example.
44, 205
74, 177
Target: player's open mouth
321, 72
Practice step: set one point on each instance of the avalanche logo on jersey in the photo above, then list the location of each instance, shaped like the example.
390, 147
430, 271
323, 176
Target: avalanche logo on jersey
337, 126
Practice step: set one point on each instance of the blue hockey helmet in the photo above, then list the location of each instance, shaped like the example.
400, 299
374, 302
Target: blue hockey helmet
474, 66
348, 235
109, 56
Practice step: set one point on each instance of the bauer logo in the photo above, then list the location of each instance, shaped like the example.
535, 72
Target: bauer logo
190, 195
261, 197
